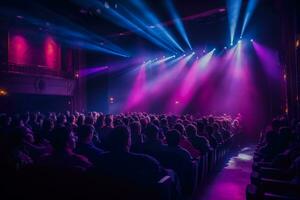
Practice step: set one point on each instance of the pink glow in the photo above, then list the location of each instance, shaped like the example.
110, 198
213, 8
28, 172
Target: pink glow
52, 53
19, 50
137, 92
27, 48
190, 83
268, 59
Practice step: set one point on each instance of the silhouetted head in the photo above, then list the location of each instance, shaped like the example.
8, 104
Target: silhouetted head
61, 119
191, 131
89, 120
209, 130
151, 132
48, 125
108, 120
200, 126
63, 139
119, 139
80, 120
19, 135
86, 133
180, 128
173, 137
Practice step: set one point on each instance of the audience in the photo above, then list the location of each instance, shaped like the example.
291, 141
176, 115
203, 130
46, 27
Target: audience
62, 156
180, 160
85, 144
130, 148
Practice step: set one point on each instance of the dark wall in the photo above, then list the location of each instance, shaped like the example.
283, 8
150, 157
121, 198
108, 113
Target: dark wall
16, 103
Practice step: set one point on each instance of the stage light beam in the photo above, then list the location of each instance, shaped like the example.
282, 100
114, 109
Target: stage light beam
248, 14
178, 22
233, 8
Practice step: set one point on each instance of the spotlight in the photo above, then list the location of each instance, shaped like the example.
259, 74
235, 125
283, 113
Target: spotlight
176, 102
76, 75
225, 47
241, 37
214, 49
239, 41
231, 44
111, 100
183, 54
251, 40
204, 51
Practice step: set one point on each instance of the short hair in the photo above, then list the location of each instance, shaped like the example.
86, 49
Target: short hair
18, 135
89, 120
135, 126
180, 128
173, 137
209, 129
85, 131
200, 125
60, 137
118, 138
108, 120
151, 131
191, 130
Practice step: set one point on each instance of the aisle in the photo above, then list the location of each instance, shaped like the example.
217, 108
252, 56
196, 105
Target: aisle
231, 181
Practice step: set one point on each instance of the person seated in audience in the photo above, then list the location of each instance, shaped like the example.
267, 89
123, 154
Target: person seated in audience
164, 125
199, 142
211, 138
89, 120
225, 130
61, 120
71, 123
85, 144
201, 128
136, 137
270, 147
121, 165
80, 120
106, 129
15, 154
185, 143
180, 160
285, 159
217, 134
33, 123
62, 156
152, 145
47, 128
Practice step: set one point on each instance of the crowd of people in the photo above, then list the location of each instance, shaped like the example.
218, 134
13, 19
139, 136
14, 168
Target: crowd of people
280, 146
132, 148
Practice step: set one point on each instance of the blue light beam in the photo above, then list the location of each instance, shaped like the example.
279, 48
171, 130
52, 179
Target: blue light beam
233, 7
178, 22
249, 12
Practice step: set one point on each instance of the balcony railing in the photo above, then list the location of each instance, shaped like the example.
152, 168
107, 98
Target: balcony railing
36, 70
